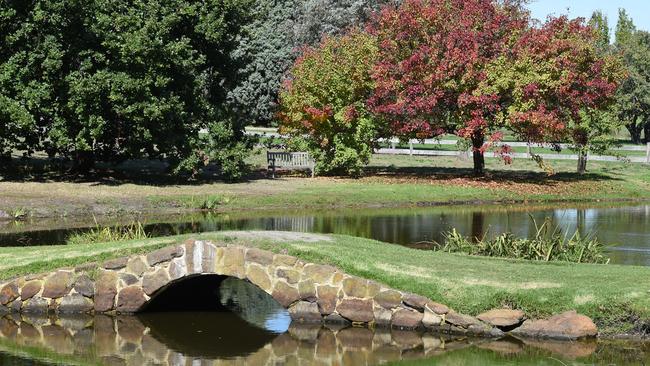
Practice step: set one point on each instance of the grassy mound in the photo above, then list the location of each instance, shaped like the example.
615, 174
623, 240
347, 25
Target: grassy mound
616, 297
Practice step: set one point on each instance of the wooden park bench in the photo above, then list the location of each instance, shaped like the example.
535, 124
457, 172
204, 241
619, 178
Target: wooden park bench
289, 160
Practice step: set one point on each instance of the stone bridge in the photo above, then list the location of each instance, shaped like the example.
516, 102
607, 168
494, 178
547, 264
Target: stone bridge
312, 293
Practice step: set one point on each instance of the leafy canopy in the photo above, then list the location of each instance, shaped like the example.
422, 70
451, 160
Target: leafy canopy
324, 100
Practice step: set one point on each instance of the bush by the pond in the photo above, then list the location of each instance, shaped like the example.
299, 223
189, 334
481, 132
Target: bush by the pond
134, 231
548, 244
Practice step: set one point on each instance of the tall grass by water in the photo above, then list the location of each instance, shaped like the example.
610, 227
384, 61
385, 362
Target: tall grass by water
105, 234
550, 243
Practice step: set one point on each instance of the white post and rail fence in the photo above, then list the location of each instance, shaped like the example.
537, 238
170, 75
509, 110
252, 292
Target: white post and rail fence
412, 149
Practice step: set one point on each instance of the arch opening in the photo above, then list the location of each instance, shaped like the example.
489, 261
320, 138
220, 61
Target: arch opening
211, 293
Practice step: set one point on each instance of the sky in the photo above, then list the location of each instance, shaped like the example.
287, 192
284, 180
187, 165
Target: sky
638, 10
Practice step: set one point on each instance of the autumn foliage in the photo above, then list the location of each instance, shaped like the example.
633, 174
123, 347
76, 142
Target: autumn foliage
473, 68
325, 99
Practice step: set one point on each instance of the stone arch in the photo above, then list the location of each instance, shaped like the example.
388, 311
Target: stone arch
312, 293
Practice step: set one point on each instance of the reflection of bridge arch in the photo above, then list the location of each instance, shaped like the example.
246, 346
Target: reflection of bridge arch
311, 292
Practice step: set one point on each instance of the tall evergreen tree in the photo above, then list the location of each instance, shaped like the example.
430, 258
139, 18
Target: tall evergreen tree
273, 41
600, 24
625, 28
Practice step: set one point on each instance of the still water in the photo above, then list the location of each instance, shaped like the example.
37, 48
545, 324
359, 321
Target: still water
624, 229
247, 327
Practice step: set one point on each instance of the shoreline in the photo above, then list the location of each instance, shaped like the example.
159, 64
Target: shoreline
529, 283
173, 209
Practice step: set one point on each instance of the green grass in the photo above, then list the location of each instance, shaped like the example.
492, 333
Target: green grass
389, 181
614, 296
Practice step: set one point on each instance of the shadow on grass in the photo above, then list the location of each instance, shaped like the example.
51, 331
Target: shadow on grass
141, 172
499, 176
157, 173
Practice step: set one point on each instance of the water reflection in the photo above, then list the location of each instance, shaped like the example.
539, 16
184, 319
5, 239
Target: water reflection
625, 229
213, 338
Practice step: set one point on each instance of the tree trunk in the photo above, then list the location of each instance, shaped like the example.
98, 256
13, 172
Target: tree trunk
635, 132
479, 159
646, 132
582, 162
83, 162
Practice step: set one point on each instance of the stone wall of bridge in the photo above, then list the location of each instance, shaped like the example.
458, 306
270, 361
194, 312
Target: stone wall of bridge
312, 293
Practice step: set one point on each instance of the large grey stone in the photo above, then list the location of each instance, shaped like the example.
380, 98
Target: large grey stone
259, 256
164, 255
502, 318
568, 325
177, 268
30, 289
284, 260
137, 266
258, 276
461, 320
130, 299
415, 301
36, 305
389, 299
290, 275
431, 319
115, 264
85, 286
152, 282
105, 291
8, 293
355, 287
326, 298
233, 262
305, 312
307, 290
318, 273
75, 303
356, 310
57, 285
406, 319
128, 279
285, 294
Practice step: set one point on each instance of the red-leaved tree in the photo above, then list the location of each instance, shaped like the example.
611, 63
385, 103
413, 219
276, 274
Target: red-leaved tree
432, 64
556, 85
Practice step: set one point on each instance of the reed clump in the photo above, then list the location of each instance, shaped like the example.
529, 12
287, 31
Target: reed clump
550, 243
105, 234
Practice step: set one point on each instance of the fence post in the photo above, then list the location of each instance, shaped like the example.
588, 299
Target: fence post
647, 153
392, 143
528, 149
411, 147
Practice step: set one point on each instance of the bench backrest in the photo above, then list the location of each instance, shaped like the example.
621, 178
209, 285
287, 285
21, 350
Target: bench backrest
290, 159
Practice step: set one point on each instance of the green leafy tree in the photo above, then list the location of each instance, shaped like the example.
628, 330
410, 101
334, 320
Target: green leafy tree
272, 42
107, 81
633, 98
323, 103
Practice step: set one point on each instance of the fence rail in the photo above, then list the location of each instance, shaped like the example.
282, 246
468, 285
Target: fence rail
413, 151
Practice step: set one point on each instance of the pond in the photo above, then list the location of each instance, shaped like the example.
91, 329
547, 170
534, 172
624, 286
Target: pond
247, 327
625, 229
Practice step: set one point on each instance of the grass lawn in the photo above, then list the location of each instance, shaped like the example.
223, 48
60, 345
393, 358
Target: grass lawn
616, 297
389, 181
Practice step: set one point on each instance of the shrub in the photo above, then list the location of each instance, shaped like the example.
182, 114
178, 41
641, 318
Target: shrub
323, 103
